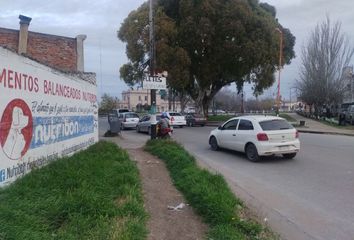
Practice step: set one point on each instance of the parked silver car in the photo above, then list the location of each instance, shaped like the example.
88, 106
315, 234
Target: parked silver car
144, 124
128, 120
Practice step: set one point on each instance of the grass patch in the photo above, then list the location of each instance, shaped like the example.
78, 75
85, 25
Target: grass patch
208, 194
287, 117
95, 194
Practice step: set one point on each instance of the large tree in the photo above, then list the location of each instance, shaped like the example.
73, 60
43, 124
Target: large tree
324, 57
107, 103
207, 44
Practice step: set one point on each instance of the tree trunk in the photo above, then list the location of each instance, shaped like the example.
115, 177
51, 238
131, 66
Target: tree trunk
203, 97
184, 99
203, 101
169, 99
205, 105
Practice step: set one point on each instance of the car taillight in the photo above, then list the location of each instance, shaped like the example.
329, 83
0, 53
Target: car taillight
262, 137
297, 134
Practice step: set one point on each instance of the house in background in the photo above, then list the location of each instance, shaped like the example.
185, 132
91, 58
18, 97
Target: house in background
349, 84
132, 99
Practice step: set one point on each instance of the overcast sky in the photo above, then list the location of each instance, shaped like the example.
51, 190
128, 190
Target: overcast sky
100, 20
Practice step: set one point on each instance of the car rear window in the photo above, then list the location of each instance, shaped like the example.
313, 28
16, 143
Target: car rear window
276, 124
123, 110
131, 115
175, 114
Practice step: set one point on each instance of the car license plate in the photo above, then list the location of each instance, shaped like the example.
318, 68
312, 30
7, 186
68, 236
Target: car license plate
282, 148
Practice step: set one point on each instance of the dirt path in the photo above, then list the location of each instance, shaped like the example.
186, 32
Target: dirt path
159, 193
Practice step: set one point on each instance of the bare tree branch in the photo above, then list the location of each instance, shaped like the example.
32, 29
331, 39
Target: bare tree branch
323, 60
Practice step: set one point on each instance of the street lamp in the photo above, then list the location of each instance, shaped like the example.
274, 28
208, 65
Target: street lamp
280, 57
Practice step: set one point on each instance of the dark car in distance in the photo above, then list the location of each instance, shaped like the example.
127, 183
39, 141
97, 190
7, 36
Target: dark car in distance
193, 119
349, 115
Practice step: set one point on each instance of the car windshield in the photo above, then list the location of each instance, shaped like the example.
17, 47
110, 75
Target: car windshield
276, 124
131, 115
175, 114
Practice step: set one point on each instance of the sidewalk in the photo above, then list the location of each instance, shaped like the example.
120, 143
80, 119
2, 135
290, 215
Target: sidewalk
313, 126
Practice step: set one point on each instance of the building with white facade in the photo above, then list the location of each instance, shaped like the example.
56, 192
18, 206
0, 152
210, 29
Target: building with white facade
131, 99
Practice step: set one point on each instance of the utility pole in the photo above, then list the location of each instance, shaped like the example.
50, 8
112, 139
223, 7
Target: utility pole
152, 66
242, 102
280, 62
152, 55
351, 84
290, 101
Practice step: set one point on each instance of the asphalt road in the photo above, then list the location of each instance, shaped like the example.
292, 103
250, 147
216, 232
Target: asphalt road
309, 197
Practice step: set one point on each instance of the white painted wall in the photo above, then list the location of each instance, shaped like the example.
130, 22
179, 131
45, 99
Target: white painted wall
44, 114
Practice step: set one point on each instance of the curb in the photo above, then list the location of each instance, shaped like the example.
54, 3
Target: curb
328, 133
213, 124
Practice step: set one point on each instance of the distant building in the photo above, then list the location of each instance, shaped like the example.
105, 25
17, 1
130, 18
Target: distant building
62, 53
349, 84
132, 99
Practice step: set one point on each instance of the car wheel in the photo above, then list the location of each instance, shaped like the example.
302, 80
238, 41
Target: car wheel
252, 153
214, 144
289, 155
202, 125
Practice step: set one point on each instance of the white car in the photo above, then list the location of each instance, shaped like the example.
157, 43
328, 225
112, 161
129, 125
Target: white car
257, 136
177, 119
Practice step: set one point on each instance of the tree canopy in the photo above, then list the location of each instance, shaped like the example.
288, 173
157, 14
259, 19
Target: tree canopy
107, 103
207, 44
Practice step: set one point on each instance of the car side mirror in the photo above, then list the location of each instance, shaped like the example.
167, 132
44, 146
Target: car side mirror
220, 127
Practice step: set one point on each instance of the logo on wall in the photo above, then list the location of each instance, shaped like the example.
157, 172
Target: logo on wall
16, 128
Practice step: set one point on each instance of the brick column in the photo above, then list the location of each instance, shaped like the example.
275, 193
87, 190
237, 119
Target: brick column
23, 38
80, 52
